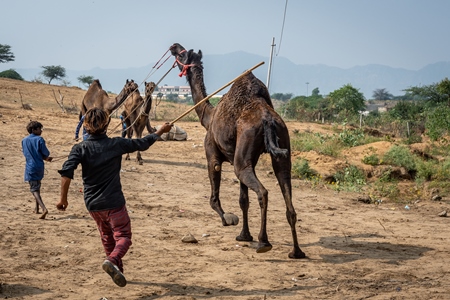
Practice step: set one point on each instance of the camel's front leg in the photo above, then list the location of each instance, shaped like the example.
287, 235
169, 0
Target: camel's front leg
215, 174
139, 158
139, 135
129, 134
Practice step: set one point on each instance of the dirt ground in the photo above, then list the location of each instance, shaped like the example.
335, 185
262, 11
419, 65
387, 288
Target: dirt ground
355, 250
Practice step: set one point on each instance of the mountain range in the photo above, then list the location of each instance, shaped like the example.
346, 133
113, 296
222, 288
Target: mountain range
286, 77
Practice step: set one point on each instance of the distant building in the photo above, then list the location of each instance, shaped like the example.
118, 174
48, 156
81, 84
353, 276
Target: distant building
180, 90
380, 106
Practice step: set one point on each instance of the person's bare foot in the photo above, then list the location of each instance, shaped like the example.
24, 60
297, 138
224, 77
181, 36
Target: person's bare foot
36, 211
44, 214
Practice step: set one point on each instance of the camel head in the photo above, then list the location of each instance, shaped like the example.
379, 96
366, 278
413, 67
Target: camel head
149, 88
176, 49
129, 87
186, 59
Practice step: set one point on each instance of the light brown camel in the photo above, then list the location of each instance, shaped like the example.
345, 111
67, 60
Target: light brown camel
136, 115
97, 97
239, 129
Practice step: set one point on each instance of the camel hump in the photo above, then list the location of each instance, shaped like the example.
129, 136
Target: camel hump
97, 82
251, 86
271, 139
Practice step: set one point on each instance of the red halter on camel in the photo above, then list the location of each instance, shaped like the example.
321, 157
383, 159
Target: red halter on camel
185, 67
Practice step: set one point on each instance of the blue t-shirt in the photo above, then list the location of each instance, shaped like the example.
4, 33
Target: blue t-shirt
34, 150
77, 130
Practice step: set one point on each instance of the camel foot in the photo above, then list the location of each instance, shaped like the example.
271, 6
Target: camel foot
263, 247
244, 238
140, 162
230, 219
297, 254
44, 214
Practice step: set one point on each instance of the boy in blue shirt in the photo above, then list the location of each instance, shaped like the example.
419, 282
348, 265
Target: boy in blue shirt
77, 130
35, 152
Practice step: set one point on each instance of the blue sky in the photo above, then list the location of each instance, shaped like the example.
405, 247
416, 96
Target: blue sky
81, 34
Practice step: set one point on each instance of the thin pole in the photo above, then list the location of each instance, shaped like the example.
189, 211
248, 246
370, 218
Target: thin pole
209, 96
270, 62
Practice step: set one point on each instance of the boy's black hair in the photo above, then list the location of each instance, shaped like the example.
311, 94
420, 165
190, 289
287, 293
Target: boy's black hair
33, 125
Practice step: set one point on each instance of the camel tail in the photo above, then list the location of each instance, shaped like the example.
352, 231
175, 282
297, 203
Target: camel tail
271, 140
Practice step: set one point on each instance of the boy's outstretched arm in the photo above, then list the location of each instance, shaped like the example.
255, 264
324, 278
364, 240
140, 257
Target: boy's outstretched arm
164, 128
65, 183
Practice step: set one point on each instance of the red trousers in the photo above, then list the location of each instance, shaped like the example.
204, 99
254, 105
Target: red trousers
115, 232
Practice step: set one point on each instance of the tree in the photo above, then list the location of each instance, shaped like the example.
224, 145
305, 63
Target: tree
347, 100
12, 74
281, 96
172, 97
53, 72
86, 80
432, 94
381, 94
315, 92
5, 54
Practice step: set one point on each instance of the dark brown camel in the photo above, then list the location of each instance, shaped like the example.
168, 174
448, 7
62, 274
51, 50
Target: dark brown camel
136, 115
239, 129
97, 97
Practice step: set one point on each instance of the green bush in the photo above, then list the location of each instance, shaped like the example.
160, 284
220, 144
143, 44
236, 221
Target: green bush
413, 138
425, 170
443, 171
388, 190
372, 160
350, 179
12, 74
438, 122
352, 137
301, 169
399, 155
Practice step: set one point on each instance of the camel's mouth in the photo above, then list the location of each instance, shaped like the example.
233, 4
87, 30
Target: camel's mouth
176, 49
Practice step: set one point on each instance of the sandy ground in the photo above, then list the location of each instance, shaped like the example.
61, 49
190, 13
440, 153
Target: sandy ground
355, 250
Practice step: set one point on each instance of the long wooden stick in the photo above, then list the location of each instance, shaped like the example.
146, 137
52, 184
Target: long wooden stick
209, 96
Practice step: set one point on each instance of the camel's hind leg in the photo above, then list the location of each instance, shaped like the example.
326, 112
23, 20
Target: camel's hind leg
244, 204
248, 178
283, 175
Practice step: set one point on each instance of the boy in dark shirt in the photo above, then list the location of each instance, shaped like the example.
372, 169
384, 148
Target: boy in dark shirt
35, 152
100, 158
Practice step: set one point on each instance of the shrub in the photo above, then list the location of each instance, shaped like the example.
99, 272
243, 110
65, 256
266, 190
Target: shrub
372, 160
425, 170
386, 190
438, 122
443, 171
400, 156
351, 179
301, 169
351, 138
12, 74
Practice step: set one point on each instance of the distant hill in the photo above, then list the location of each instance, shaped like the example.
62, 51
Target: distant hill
286, 77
